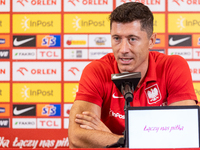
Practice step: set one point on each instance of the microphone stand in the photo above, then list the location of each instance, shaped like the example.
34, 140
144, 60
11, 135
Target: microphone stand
127, 91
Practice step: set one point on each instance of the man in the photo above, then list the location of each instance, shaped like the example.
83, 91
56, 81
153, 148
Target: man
97, 115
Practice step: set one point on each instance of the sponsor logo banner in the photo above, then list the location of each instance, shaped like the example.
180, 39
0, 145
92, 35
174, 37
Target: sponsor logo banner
50, 110
183, 5
159, 23
4, 109
154, 5
180, 40
75, 54
75, 40
24, 41
37, 71
197, 90
4, 23
160, 40
49, 54
4, 71
196, 40
70, 90
67, 108
158, 50
4, 6
46, 123
184, 52
48, 41
73, 70
37, 92
86, 23
24, 110
98, 53
4, 123
88, 6
4, 92
196, 53
99, 40
37, 23
187, 23
24, 123
4, 54
36, 6
195, 70
66, 123
4, 40
24, 54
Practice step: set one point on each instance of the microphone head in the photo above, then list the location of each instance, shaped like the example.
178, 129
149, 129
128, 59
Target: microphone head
121, 78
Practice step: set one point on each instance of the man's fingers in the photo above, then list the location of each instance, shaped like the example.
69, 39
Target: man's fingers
86, 127
88, 118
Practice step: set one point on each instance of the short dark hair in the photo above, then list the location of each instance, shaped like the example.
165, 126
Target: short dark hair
132, 11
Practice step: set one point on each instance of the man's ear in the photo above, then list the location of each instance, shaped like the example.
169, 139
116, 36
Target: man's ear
152, 40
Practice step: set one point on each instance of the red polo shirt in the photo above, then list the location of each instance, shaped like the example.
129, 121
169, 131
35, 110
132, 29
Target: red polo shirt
168, 80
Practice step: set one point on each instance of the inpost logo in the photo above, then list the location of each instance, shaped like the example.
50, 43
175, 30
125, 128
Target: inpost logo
4, 23
197, 90
38, 23
86, 23
47, 92
4, 92
159, 23
70, 90
183, 23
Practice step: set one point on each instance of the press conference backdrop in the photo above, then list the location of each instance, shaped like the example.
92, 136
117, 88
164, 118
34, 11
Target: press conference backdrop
44, 46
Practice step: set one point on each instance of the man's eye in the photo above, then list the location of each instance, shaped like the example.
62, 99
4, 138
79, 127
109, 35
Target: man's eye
132, 39
116, 38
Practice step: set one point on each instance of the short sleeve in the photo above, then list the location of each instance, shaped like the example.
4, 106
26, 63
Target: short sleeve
179, 80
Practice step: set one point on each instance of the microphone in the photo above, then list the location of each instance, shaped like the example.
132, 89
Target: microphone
126, 83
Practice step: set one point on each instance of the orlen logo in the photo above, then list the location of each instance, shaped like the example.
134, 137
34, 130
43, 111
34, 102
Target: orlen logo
38, 92
88, 5
22, 70
36, 2
37, 23
48, 110
91, 2
35, 5
189, 2
37, 71
73, 70
48, 41
46, 123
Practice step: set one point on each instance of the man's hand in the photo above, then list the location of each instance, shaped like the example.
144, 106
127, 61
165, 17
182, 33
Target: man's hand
89, 120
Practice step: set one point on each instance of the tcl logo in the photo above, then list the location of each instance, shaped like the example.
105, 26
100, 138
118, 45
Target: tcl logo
49, 54
45, 123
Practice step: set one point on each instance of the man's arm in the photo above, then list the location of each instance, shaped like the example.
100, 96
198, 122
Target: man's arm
183, 103
99, 136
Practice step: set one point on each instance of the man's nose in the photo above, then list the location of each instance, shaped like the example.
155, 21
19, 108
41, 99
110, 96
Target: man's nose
124, 48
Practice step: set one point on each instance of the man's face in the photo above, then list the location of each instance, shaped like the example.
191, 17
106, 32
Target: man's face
131, 46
